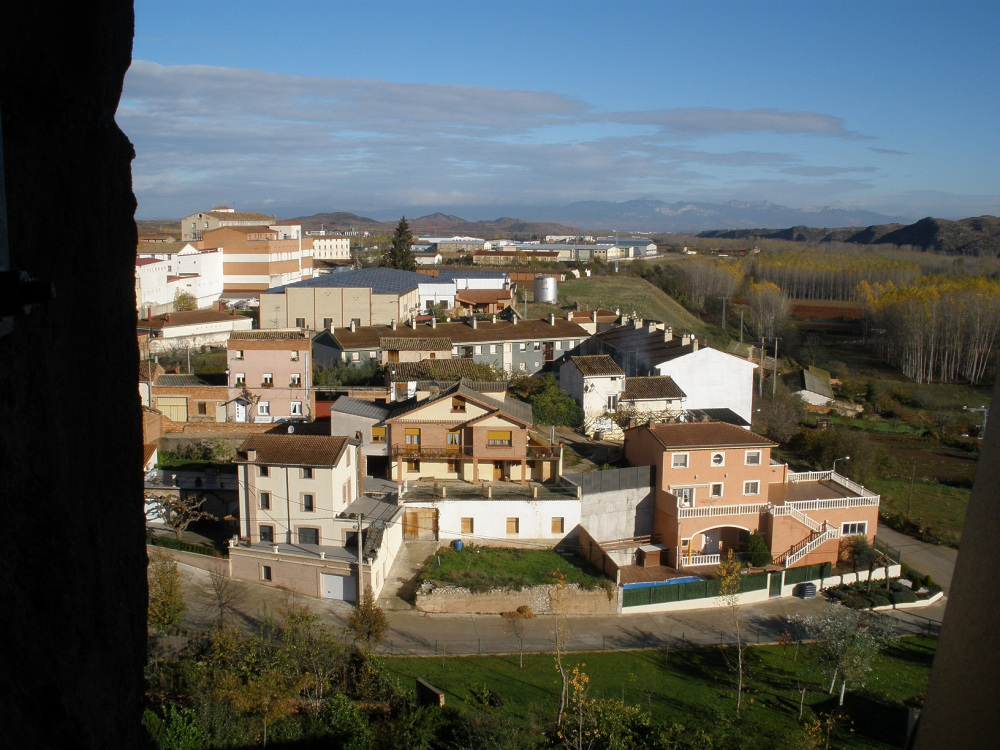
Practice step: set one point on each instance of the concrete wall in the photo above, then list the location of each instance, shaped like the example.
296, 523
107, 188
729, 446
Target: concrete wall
713, 379
616, 504
489, 519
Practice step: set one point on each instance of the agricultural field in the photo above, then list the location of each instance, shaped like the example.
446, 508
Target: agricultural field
693, 688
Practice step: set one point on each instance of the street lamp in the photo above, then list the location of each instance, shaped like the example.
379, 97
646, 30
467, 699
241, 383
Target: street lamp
842, 458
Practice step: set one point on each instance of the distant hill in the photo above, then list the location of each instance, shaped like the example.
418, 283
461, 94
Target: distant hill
340, 221
974, 236
432, 224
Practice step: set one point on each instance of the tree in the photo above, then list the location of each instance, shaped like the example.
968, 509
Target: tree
848, 641
224, 594
550, 405
184, 301
778, 416
730, 584
758, 551
515, 624
368, 621
179, 510
166, 593
400, 253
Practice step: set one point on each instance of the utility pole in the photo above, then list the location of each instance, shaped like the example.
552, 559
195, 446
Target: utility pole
361, 563
760, 382
724, 312
774, 384
913, 473
741, 328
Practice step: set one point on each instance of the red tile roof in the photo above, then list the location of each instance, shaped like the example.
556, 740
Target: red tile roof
293, 450
705, 435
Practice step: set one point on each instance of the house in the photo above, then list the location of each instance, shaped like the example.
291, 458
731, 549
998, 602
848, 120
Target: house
710, 379
300, 516
270, 376
259, 257
482, 301
610, 400
514, 345
190, 329
194, 227
416, 379
190, 398
716, 483
812, 385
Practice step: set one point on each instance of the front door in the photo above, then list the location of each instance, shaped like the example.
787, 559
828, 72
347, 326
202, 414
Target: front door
241, 411
713, 542
497, 471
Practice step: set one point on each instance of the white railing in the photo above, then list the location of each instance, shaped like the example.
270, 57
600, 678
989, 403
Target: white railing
838, 502
696, 560
708, 511
789, 510
832, 532
823, 476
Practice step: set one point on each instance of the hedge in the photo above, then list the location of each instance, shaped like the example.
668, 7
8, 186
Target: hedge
198, 549
808, 573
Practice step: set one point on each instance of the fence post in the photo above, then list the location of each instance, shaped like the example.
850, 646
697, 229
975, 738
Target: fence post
604, 646
435, 646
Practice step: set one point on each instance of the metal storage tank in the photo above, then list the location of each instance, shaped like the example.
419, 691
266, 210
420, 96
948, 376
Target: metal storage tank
546, 289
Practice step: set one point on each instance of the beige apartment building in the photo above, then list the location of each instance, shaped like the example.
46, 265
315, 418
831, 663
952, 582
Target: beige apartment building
269, 376
255, 258
193, 227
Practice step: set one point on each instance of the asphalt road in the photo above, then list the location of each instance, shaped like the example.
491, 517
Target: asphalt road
934, 560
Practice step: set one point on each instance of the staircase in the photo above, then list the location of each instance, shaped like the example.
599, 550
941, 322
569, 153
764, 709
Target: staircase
800, 549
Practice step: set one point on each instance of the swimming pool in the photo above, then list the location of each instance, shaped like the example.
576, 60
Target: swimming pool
668, 582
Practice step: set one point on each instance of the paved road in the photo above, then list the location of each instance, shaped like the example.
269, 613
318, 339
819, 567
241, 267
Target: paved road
934, 560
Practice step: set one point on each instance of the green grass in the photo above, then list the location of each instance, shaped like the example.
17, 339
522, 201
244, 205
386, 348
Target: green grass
481, 568
693, 687
937, 510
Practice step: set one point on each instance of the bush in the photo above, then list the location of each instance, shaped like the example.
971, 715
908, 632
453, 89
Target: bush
758, 551
855, 601
878, 600
903, 596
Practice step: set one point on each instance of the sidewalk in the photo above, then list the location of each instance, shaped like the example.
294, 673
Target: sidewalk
934, 560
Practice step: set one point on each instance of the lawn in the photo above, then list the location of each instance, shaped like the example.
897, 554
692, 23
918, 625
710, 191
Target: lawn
480, 568
693, 687
937, 511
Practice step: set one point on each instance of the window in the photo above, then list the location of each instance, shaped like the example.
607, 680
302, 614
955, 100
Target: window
268, 380
293, 357
267, 534
355, 356
498, 437
296, 380
522, 367
851, 529
454, 437
558, 525
612, 402
262, 471
452, 466
751, 488
328, 323
559, 346
753, 458
202, 408
349, 455
412, 466
237, 354
241, 378
458, 404
413, 436
718, 459
264, 408
308, 503
265, 572
716, 490
479, 349
513, 526
679, 460
300, 322
538, 346
308, 536
265, 501
493, 348
468, 526
372, 355
685, 496
307, 472
296, 409
378, 434
522, 347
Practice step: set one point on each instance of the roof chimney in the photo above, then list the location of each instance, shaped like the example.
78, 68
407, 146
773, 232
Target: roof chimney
354, 326
651, 325
494, 320
434, 322
392, 324
569, 317
552, 319
474, 323
413, 322
639, 323
686, 339
668, 335
694, 343
251, 454
593, 316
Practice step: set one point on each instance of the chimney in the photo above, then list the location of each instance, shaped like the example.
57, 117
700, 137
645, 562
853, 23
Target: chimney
354, 326
434, 322
494, 320
639, 323
513, 319
168, 317
552, 319
569, 317
413, 322
694, 343
593, 316
357, 435
668, 335
475, 323
685, 339
251, 454
651, 326
392, 324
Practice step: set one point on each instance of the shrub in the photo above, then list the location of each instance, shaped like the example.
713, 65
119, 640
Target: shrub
758, 551
855, 601
878, 600
903, 596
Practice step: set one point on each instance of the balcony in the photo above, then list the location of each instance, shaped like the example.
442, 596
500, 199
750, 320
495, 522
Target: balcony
432, 451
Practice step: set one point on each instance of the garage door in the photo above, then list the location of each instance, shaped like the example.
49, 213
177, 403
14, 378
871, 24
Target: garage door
420, 524
173, 408
340, 588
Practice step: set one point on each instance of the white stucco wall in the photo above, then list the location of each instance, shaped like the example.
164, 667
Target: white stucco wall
490, 519
712, 380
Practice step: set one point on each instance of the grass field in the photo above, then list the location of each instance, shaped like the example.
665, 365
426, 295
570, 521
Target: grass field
693, 687
481, 568
623, 292
936, 510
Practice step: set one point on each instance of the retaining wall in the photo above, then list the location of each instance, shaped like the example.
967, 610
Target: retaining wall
572, 600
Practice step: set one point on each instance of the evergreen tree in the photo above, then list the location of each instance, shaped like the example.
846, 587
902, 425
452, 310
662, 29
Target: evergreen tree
400, 253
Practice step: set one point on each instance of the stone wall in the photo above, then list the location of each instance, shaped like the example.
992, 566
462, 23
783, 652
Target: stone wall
572, 600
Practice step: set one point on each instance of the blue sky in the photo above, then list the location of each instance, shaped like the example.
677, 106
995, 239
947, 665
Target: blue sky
299, 107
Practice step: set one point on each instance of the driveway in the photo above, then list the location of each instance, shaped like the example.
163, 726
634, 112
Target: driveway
934, 560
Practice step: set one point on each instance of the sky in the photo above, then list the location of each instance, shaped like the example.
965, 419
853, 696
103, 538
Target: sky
378, 108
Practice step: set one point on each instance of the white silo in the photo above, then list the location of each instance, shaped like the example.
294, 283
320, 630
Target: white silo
546, 289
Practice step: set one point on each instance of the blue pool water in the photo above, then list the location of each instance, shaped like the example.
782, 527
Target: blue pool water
682, 579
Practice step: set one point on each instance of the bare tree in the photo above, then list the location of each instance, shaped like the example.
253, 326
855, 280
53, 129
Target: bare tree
515, 622
224, 594
179, 511
368, 621
731, 583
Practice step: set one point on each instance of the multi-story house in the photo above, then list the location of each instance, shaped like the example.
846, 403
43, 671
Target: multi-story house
715, 483
269, 376
193, 227
258, 257
462, 434
301, 513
